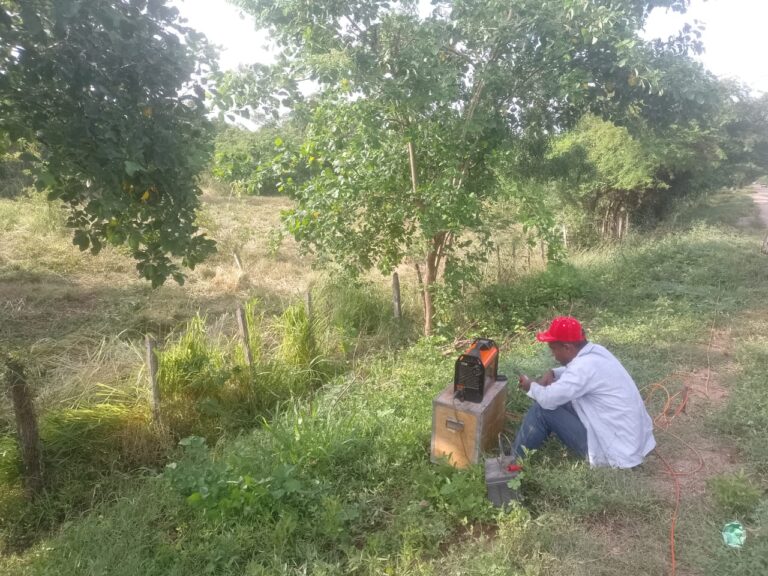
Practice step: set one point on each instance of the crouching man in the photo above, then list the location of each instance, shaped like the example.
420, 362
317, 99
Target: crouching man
590, 403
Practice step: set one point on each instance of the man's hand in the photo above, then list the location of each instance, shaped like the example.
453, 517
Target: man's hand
524, 383
547, 379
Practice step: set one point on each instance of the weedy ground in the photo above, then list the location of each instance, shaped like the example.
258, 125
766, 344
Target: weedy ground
316, 459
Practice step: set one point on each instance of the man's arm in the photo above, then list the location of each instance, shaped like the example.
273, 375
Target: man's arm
567, 387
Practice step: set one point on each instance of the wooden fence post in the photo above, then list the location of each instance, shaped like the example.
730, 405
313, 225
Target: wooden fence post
242, 322
26, 425
396, 295
154, 387
514, 257
238, 262
498, 264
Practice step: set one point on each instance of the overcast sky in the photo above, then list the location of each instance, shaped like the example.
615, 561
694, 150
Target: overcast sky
735, 35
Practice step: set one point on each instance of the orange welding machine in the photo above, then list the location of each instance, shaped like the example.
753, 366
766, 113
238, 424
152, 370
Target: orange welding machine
476, 370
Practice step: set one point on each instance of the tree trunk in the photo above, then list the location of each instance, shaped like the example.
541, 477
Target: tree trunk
604, 227
429, 311
427, 280
426, 300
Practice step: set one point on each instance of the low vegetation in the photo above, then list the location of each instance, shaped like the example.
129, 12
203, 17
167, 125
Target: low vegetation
316, 458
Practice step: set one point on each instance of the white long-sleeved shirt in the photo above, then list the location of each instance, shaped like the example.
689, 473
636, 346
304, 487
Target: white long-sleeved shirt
606, 399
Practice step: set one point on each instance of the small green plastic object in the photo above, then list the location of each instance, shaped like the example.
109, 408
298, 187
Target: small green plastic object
734, 534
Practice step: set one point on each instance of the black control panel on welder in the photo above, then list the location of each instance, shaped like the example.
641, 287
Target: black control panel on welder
476, 370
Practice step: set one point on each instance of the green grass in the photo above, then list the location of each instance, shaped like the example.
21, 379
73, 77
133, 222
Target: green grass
337, 479
746, 416
734, 209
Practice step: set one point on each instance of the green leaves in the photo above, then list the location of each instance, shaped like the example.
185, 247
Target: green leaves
132, 167
104, 91
409, 113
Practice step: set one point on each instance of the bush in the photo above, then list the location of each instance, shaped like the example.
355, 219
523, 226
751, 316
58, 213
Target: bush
508, 309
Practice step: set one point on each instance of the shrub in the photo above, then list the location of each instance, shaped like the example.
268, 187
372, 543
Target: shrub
508, 309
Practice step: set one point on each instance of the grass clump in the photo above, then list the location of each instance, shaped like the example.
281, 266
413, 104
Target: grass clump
298, 346
735, 494
745, 418
100, 437
87, 454
354, 306
357, 316
510, 309
208, 389
9, 460
192, 367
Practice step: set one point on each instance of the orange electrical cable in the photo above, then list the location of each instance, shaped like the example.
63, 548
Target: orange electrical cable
673, 523
674, 474
667, 421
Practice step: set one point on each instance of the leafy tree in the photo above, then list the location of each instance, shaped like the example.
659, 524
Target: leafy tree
244, 159
103, 89
746, 135
607, 172
409, 113
686, 137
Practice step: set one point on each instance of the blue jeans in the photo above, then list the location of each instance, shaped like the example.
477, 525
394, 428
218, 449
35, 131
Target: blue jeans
538, 424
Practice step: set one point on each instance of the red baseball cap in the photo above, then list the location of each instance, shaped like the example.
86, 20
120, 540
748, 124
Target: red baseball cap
562, 329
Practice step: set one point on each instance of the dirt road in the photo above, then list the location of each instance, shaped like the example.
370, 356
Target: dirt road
760, 196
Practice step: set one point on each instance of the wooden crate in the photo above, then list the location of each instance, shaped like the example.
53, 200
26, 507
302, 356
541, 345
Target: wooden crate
462, 431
